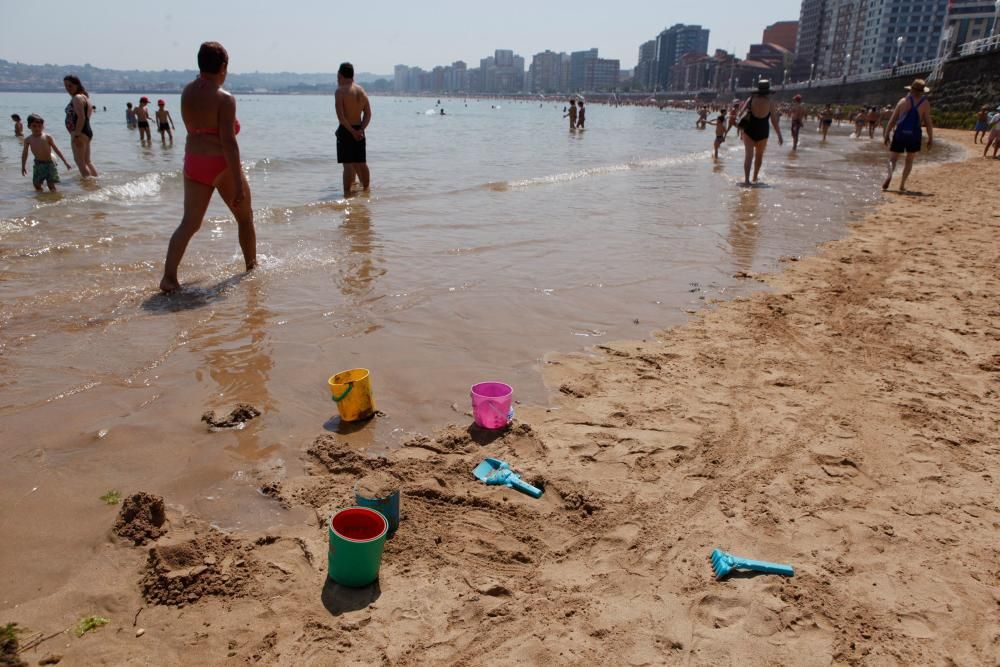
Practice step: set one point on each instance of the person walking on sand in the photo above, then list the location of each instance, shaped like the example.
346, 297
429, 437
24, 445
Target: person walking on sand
757, 119
904, 131
78, 113
354, 112
798, 115
993, 139
164, 123
571, 114
42, 145
982, 124
211, 161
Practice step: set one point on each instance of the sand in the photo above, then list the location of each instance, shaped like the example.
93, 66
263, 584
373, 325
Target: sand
842, 421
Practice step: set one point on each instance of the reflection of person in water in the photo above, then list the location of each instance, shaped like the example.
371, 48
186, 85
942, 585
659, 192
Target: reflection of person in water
361, 269
239, 359
744, 229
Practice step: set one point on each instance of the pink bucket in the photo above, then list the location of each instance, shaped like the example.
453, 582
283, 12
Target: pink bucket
492, 404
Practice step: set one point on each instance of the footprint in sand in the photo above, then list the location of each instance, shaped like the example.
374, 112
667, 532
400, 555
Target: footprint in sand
720, 612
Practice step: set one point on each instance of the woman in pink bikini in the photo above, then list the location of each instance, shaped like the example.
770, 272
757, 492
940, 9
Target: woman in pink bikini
211, 161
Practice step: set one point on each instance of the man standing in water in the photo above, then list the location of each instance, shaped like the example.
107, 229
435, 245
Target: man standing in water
910, 113
354, 112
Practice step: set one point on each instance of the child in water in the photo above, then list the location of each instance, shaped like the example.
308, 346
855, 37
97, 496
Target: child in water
41, 146
721, 130
129, 116
18, 127
142, 116
165, 123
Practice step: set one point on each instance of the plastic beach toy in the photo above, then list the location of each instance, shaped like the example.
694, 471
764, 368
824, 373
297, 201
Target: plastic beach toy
492, 404
357, 537
723, 563
352, 392
494, 472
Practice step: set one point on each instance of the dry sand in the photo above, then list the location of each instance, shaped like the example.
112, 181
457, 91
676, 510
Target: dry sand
844, 422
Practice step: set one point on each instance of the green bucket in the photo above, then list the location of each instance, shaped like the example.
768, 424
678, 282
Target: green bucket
357, 536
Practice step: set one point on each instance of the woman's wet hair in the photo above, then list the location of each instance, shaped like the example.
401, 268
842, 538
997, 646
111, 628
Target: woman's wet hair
212, 57
75, 80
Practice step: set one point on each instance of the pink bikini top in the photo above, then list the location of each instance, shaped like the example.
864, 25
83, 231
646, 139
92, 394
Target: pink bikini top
213, 131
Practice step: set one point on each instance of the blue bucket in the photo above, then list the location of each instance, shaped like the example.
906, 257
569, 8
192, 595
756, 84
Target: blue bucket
387, 506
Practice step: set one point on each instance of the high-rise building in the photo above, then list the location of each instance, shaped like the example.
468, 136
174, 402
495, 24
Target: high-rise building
401, 78
546, 72
645, 69
673, 43
809, 40
919, 23
578, 67
503, 58
782, 33
459, 77
601, 75
840, 37
970, 20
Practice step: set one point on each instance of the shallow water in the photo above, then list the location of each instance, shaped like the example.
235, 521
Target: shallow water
491, 236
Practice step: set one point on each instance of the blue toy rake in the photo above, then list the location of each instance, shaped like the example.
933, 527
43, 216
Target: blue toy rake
723, 563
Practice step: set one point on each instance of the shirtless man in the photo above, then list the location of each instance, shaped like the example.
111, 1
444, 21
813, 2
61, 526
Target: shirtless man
798, 116
354, 112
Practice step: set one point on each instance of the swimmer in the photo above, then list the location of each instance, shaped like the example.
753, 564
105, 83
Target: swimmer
142, 116
354, 111
18, 126
164, 123
721, 130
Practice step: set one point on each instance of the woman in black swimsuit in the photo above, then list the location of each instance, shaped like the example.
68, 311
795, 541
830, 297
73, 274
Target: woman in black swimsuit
78, 124
755, 125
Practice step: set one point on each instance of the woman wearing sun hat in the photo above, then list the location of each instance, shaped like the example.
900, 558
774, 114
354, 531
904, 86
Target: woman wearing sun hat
757, 117
903, 134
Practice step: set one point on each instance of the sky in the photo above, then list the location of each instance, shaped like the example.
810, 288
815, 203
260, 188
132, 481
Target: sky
315, 36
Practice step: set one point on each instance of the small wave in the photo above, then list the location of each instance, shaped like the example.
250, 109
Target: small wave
553, 179
141, 188
11, 225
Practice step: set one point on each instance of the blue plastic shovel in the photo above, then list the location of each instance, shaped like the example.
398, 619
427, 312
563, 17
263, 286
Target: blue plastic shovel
494, 472
723, 563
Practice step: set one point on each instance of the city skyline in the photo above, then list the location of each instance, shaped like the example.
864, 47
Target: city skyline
276, 40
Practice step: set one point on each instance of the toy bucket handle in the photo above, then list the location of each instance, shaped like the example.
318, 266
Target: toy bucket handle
338, 399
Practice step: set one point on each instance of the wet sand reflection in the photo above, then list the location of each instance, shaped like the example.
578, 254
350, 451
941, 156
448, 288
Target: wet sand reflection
744, 229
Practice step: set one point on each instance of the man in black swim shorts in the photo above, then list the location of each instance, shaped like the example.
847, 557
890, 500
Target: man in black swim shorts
354, 112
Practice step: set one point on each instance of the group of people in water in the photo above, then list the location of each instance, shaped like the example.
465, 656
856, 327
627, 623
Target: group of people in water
139, 117
212, 155
753, 119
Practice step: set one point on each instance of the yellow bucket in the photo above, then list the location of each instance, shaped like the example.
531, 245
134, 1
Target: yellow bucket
352, 392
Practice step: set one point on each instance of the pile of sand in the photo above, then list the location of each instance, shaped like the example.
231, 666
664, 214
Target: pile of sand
210, 564
141, 518
237, 418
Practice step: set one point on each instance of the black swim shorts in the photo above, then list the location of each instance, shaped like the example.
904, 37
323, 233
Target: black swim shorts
903, 142
349, 150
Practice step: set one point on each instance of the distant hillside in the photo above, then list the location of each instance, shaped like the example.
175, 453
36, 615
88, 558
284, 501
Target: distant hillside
22, 77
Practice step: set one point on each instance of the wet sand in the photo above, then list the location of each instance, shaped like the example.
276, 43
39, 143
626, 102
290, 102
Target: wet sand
842, 421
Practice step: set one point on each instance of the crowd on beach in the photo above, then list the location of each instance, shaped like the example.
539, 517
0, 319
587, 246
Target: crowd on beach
212, 158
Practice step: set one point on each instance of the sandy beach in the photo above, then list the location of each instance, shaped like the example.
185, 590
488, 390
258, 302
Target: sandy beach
842, 420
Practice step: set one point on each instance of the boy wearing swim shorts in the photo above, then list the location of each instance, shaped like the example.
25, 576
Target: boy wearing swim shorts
41, 146
164, 122
142, 116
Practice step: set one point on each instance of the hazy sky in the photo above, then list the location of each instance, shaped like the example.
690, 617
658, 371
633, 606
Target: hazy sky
315, 35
